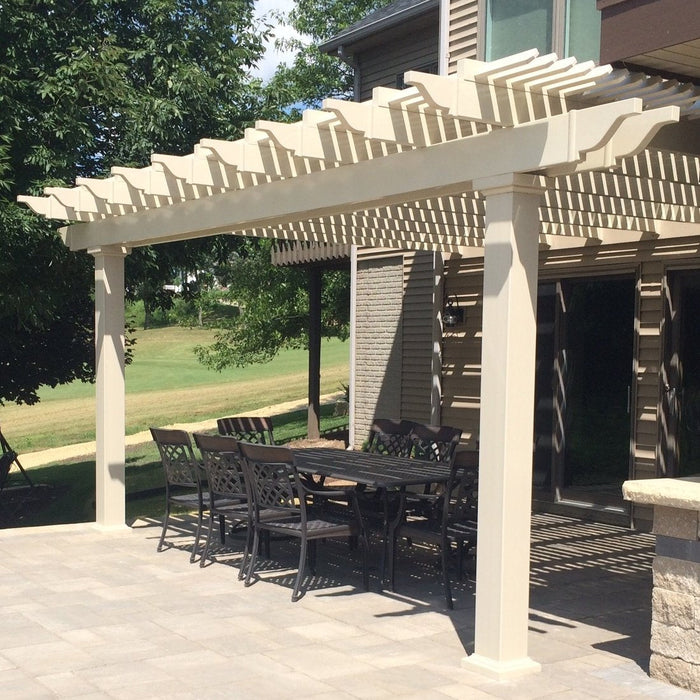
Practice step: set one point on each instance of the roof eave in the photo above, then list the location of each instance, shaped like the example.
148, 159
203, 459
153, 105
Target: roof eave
349, 37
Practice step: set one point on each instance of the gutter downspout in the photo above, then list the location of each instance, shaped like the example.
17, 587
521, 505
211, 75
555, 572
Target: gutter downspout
352, 61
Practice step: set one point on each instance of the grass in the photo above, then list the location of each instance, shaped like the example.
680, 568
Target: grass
165, 384
67, 490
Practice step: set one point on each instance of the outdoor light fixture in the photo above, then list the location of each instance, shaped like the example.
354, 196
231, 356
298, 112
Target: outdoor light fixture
453, 314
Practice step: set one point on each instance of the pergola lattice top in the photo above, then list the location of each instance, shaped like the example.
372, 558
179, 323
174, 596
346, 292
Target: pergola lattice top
413, 156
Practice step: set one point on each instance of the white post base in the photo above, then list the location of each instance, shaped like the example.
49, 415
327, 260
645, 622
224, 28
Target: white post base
501, 670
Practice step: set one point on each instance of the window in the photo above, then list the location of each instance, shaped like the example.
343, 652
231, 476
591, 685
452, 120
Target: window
431, 67
565, 27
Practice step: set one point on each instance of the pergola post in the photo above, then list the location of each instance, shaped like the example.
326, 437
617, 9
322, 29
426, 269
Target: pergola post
313, 423
110, 491
506, 425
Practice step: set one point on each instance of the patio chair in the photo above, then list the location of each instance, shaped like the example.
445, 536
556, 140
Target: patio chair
255, 429
432, 443
274, 486
228, 498
453, 523
391, 437
183, 478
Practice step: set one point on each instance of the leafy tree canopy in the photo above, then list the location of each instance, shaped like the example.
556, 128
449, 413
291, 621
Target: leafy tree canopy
274, 308
313, 75
84, 86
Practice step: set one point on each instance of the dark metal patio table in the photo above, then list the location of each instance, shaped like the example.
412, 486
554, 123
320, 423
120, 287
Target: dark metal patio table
378, 471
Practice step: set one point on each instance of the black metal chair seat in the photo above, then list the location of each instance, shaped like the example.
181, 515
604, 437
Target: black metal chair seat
315, 528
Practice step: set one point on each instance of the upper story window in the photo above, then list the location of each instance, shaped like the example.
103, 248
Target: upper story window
565, 27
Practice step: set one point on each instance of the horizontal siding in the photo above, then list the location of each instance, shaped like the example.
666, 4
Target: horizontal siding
462, 32
379, 67
461, 351
418, 312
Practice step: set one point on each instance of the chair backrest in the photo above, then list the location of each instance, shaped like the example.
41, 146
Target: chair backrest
462, 504
391, 437
222, 463
435, 443
272, 480
179, 463
255, 429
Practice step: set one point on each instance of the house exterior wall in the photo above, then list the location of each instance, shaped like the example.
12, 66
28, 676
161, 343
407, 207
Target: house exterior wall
382, 66
406, 386
650, 263
378, 333
420, 303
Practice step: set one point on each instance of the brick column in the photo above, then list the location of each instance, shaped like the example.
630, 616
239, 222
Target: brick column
675, 603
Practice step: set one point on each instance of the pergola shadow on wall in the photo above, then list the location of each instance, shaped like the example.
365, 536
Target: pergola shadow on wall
496, 160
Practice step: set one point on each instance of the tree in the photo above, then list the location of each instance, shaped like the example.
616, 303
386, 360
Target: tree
313, 75
274, 309
84, 86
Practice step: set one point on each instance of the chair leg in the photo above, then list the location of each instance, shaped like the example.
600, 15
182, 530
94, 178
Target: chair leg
312, 556
222, 528
166, 517
253, 557
193, 556
364, 543
445, 555
300, 573
246, 553
392, 547
205, 552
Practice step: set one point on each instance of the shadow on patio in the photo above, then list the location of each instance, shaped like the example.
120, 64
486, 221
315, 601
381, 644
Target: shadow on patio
589, 582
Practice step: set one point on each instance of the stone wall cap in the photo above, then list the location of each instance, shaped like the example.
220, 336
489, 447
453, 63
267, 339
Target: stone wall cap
675, 493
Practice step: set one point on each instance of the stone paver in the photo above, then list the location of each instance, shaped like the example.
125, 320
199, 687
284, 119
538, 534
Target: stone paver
93, 614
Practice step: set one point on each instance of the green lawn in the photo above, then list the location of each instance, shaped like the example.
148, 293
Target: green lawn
65, 491
165, 384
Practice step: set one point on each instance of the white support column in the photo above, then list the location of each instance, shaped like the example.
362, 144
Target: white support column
110, 491
506, 425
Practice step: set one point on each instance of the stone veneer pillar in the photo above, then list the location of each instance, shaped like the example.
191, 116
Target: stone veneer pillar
675, 624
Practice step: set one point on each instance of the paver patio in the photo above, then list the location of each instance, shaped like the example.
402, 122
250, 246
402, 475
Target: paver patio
94, 614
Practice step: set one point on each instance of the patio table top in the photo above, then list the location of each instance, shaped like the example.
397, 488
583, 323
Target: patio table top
371, 469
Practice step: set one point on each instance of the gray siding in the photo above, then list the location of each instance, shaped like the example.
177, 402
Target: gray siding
418, 322
379, 67
378, 345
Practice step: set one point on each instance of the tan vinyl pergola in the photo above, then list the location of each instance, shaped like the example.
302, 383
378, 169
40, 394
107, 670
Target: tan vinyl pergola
498, 160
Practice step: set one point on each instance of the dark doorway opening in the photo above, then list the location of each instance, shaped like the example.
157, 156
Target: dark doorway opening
583, 392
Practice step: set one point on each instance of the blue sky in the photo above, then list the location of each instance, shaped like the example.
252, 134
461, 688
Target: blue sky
273, 57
